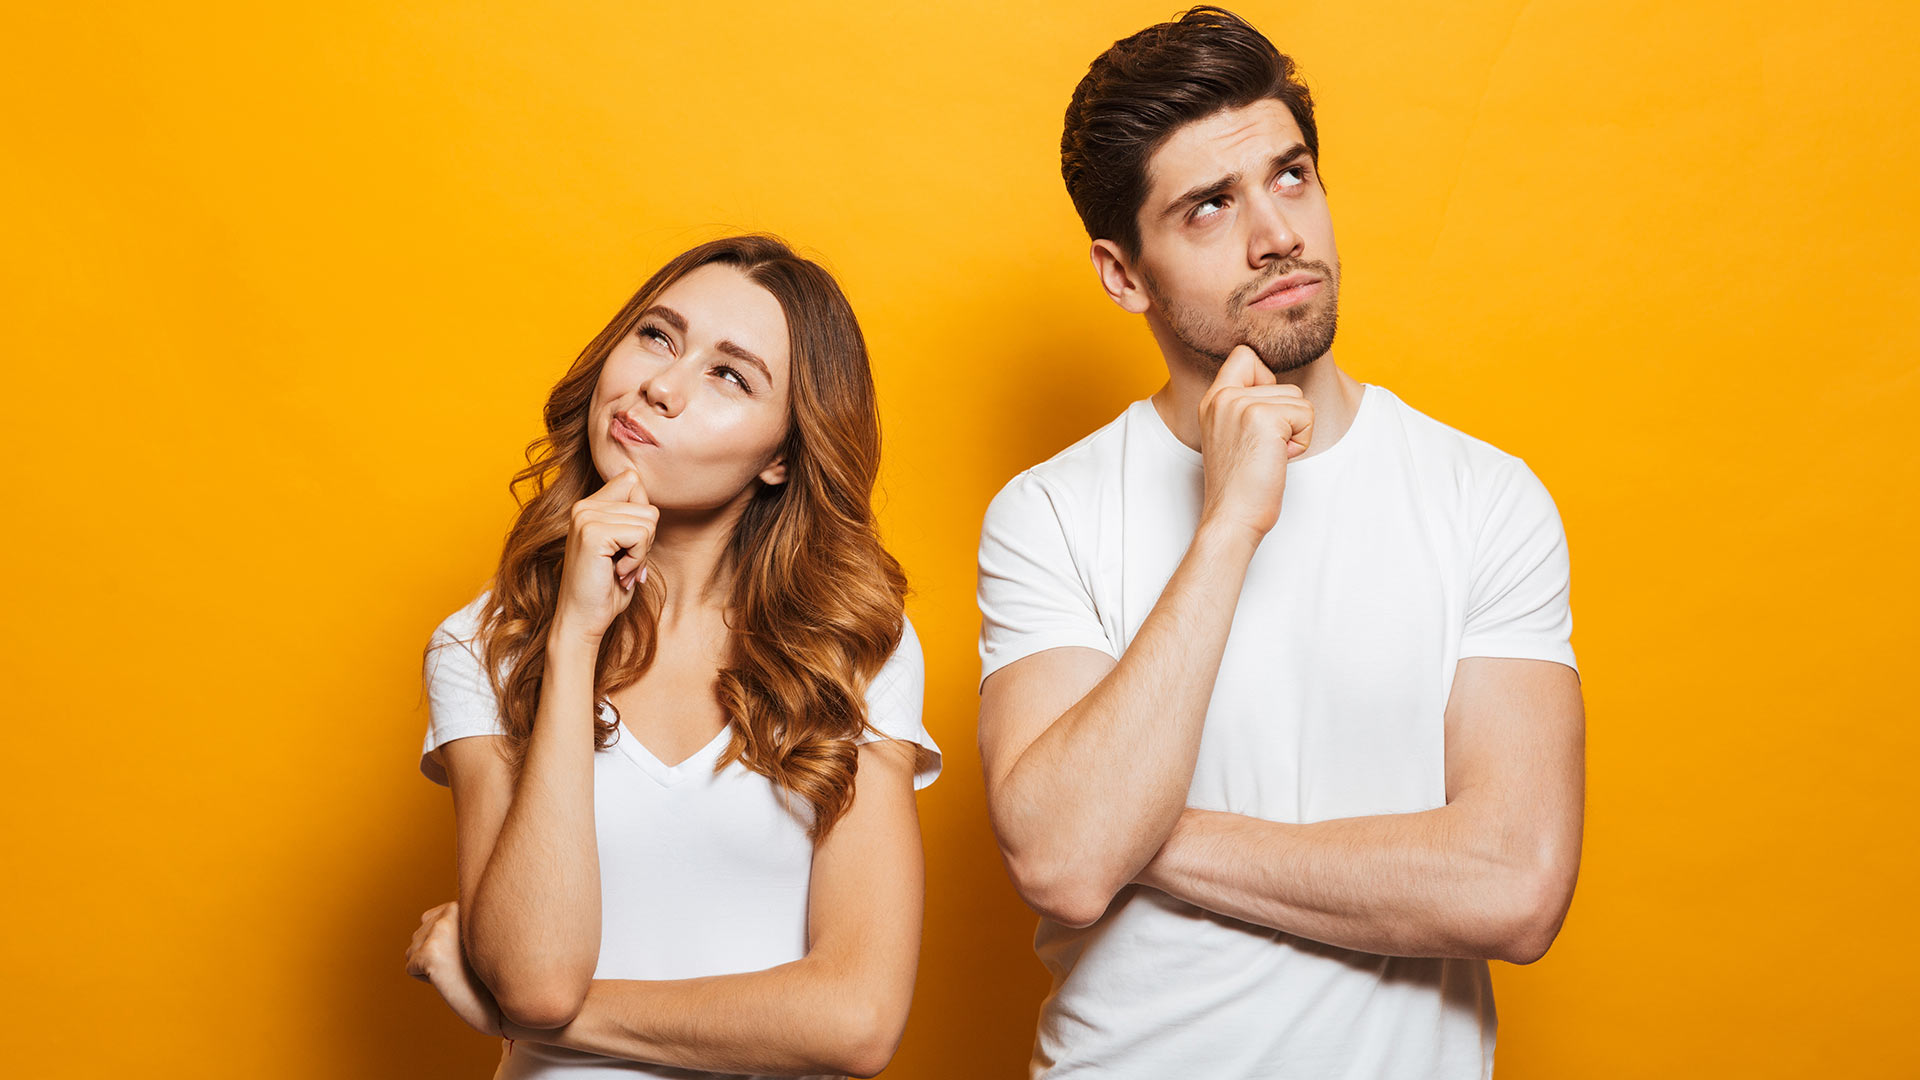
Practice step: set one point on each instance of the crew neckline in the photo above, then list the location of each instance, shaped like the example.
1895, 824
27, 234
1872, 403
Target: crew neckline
1368, 393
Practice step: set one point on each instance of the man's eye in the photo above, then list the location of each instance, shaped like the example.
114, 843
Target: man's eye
1201, 210
1293, 177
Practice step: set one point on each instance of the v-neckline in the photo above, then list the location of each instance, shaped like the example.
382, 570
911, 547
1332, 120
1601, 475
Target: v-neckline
666, 775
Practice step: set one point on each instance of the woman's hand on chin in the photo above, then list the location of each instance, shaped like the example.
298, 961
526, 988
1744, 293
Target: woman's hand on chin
607, 545
435, 957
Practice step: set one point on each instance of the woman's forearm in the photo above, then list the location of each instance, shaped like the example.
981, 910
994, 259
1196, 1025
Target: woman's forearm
534, 932
798, 1018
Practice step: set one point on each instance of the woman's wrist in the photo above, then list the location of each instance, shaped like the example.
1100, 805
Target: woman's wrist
566, 643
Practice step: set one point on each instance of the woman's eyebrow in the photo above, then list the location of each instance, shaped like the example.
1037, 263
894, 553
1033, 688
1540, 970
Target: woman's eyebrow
740, 352
667, 315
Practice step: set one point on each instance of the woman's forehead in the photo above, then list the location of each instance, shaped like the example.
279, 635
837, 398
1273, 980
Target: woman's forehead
720, 303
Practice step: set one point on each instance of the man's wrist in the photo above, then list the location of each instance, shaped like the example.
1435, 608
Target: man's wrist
1223, 538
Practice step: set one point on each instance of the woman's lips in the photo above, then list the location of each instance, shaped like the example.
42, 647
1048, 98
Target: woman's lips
626, 431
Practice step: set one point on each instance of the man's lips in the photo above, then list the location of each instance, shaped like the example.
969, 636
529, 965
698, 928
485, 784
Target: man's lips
1286, 291
628, 430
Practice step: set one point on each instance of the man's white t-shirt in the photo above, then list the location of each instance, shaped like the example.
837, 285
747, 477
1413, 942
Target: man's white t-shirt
1400, 549
701, 872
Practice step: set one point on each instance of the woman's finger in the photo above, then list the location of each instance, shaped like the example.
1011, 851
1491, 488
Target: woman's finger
620, 488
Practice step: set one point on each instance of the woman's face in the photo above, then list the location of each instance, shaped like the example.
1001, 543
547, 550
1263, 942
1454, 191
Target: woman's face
695, 398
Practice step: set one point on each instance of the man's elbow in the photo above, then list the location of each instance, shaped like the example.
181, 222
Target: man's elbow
1059, 894
1531, 914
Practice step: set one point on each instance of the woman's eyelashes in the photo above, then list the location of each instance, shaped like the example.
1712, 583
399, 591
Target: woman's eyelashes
657, 338
732, 375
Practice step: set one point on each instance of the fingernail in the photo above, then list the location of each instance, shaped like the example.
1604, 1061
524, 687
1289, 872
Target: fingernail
643, 573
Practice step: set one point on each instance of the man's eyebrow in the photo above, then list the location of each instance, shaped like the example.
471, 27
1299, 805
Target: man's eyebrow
739, 352
1201, 193
1290, 155
667, 315
1198, 194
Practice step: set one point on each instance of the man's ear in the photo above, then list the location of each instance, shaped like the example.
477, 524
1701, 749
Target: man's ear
775, 473
1121, 280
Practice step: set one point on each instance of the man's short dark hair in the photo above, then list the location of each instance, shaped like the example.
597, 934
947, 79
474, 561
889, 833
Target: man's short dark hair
1146, 87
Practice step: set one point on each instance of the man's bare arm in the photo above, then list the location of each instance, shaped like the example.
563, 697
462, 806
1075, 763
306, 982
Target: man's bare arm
1490, 874
1088, 761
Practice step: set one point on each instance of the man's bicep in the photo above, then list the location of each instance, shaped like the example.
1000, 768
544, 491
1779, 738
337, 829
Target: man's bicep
1020, 701
1516, 735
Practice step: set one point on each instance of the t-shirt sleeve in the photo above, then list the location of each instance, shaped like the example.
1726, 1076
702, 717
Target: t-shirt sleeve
459, 698
1032, 597
1517, 604
894, 701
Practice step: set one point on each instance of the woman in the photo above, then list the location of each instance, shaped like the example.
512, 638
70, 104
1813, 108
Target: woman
694, 579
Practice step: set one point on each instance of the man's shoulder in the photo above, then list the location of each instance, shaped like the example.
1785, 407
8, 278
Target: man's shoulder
1488, 484
1076, 470
1437, 442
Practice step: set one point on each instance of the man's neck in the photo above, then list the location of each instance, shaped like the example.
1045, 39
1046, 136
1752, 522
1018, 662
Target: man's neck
1334, 395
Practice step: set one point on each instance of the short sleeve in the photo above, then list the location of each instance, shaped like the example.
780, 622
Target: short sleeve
1032, 597
894, 701
459, 698
1518, 602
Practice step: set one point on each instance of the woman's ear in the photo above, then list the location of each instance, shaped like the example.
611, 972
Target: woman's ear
775, 472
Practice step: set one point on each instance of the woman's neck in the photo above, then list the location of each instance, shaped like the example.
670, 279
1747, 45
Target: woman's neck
690, 554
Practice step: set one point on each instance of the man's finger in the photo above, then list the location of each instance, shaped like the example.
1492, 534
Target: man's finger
1242, 368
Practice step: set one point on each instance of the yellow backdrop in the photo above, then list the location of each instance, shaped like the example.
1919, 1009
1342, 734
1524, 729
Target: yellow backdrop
286, 284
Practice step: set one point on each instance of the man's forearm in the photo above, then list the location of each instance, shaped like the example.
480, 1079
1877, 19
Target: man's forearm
1441, 882
1095, 795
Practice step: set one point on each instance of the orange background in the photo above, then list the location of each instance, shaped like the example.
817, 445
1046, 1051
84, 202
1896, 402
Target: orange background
286, 286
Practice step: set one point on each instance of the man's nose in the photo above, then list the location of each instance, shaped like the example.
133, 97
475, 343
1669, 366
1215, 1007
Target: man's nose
1271, 238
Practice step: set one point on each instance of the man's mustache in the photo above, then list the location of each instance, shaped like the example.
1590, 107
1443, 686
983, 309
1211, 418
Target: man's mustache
1244, 295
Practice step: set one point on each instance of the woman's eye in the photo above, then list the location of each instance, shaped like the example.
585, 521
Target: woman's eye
734, 377
648, 333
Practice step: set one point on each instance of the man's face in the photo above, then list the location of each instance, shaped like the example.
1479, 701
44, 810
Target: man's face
1236, 241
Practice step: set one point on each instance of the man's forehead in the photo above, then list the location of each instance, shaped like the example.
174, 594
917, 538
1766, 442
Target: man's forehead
1230, 140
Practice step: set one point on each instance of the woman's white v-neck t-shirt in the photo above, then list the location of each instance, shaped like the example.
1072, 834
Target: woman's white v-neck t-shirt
702, 872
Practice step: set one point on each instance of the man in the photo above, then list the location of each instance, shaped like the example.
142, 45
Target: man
1280, 724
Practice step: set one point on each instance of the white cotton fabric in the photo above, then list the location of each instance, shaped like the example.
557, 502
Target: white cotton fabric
1399, 550
701, 872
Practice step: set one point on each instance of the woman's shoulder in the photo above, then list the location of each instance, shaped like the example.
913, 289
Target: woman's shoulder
463, 626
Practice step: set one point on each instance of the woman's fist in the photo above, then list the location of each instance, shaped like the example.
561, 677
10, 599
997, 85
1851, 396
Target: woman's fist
435, 957
607, 543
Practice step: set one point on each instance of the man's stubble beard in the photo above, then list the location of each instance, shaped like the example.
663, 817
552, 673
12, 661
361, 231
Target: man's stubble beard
1301, 334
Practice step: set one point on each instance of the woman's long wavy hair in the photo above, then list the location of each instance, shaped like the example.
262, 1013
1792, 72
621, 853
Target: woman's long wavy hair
816, 603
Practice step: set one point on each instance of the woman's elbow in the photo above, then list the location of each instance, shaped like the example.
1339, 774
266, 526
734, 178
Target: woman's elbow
539, 1002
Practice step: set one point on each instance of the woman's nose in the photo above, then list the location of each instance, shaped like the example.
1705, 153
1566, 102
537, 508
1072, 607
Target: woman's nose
664, 391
